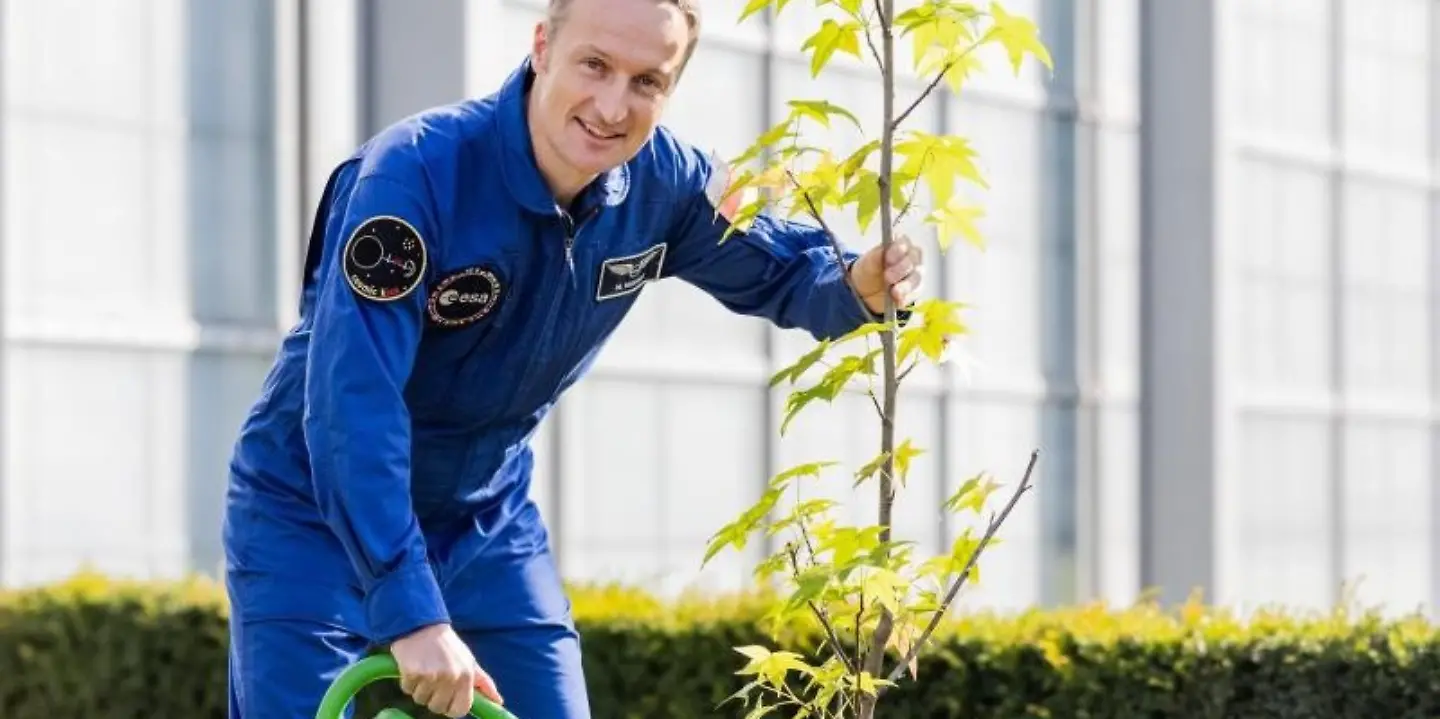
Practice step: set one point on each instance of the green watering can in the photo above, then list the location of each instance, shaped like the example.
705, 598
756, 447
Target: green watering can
382, 666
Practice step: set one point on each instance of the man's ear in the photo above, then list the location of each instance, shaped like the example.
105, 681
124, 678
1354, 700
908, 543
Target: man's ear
540, 46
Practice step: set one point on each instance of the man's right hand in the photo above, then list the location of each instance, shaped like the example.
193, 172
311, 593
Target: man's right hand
438, 671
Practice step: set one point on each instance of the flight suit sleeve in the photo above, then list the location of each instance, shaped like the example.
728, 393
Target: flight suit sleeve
780, 270
379, 240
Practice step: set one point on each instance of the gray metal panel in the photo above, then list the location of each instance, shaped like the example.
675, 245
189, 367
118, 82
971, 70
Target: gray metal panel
412, 57
1062, 342
1180, 333
4, 342
1434, 334
220, 381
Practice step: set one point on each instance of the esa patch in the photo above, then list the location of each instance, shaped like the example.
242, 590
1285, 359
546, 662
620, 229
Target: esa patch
620, 276
384, 259
464, 297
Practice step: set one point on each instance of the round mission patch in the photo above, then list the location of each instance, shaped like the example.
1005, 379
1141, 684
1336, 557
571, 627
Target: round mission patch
384, 259
464, 297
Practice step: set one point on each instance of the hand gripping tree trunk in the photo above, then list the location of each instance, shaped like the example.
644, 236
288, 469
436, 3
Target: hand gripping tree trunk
857, 586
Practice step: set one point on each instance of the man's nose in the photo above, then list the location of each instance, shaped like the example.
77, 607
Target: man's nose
610, 102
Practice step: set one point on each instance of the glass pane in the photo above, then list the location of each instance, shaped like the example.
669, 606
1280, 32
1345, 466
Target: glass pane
1285, 89
1387, 78
1118, 52
1386, 289
1387, 512
1117, 283
712, 467
1004, 283
997, 437
1281, 513
614, 468
1284, 257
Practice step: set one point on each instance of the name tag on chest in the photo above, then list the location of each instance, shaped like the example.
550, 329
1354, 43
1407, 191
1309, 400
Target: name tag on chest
620, 276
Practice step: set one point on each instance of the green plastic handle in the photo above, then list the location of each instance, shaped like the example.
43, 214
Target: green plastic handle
383, 666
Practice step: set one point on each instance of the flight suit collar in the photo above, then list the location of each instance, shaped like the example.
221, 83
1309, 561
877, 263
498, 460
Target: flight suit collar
522, 173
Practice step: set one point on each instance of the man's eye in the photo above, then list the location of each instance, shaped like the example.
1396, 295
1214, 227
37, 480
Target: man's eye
594, 64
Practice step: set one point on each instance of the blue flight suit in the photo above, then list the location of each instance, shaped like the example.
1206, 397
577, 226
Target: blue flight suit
381, 481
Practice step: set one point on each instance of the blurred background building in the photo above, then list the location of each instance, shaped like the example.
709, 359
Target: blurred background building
1216, 323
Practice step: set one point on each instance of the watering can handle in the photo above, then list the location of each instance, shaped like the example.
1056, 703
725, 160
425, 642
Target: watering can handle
383, 666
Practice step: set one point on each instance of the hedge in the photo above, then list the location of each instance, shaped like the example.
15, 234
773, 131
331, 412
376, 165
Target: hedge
97, 648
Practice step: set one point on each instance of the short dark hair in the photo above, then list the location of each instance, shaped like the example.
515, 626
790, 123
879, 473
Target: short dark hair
555, 17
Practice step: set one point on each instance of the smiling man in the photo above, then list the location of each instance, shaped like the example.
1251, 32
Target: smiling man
465, 268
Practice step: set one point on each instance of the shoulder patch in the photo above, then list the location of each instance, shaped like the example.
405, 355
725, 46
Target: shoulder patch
721, 175
384, 259
464, 297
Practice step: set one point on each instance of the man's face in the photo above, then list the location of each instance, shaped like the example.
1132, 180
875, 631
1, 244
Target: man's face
602, 80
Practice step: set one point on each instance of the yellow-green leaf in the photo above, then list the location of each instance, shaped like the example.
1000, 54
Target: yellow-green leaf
957, 220
755, 6
939, 160
795, 371
832, 37
973, 493
856, 160
751, 8
871, 468
960, 68
809, 469
865, 194
939, 321
772, 136
869, 328
884, 588
904, 454
1019, 36
821, 110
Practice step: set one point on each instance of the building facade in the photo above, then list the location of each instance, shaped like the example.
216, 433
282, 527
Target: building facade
1215, 324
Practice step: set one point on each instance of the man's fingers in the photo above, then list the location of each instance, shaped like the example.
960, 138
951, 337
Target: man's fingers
902, 247
904, 290
449, 691
899, 271
460, 702
421, 691
408, 684
901, 261
487, 687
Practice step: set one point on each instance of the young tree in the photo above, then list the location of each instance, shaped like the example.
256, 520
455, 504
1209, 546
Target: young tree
859, 583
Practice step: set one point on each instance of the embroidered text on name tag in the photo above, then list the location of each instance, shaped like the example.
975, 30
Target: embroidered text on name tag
620, 276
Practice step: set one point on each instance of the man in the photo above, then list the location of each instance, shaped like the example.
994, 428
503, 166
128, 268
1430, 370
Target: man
465, 267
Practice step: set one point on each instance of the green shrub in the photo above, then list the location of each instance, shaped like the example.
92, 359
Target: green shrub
96, 648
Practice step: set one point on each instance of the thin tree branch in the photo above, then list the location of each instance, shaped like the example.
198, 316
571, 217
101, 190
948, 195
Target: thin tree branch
859, 648
875, 661
874, 51
965, 574
910, 201
820, 612
834, 243
907, 371
934, 83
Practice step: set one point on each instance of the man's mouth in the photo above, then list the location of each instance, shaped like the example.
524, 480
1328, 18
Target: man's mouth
597, 133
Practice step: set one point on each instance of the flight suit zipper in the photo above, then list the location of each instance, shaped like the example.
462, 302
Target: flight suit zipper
548, 335
572, 230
